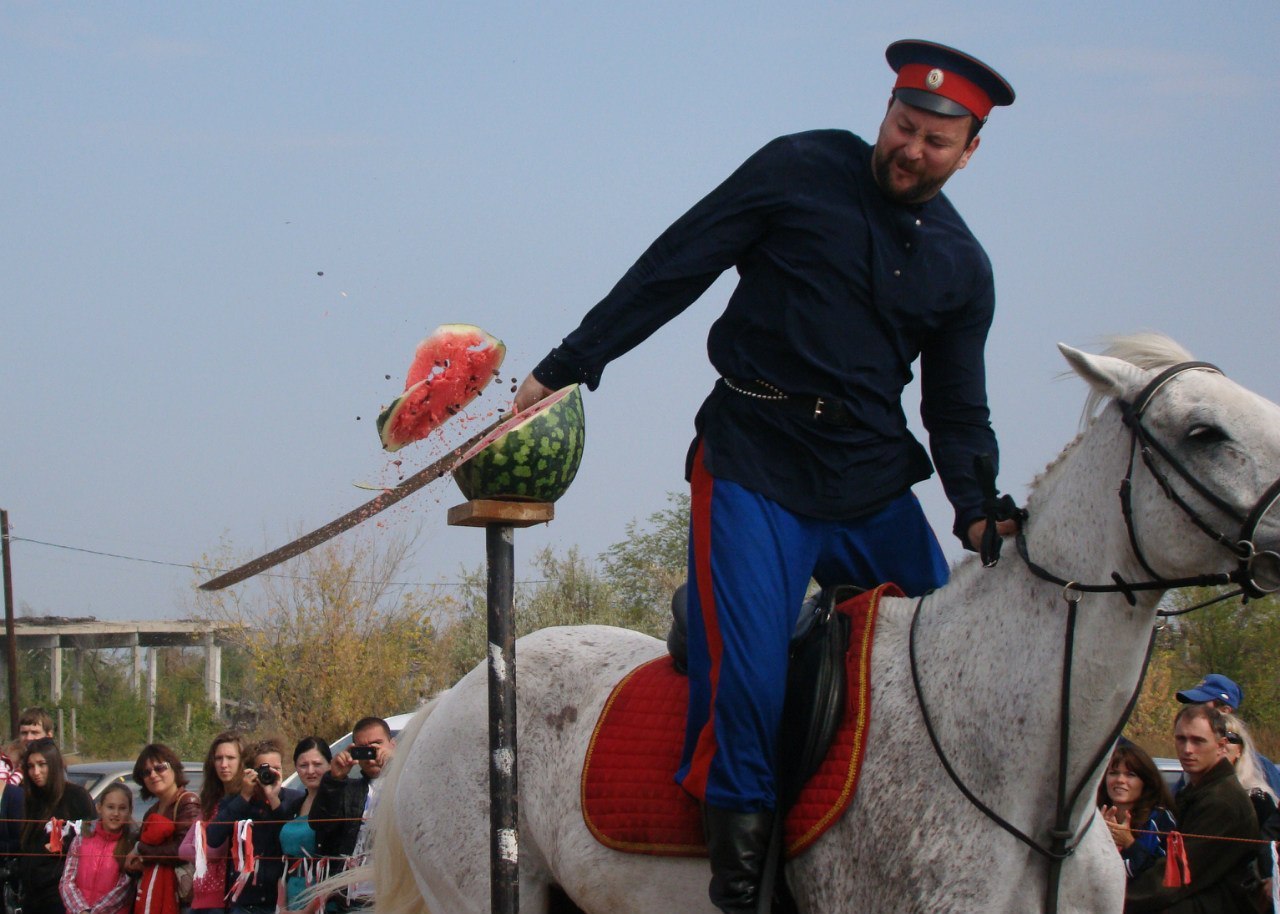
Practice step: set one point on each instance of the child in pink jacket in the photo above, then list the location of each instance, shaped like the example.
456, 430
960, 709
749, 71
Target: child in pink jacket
94, 881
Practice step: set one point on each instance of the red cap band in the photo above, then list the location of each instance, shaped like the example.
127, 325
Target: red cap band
947, 84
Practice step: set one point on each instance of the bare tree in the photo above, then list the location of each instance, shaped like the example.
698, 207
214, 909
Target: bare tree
336, 637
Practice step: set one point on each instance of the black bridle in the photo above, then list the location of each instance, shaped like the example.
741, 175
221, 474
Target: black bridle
1249, 563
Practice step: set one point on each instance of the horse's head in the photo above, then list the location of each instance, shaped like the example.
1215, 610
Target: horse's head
1203, 480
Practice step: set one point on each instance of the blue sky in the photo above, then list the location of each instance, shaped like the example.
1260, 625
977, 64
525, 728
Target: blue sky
176, 370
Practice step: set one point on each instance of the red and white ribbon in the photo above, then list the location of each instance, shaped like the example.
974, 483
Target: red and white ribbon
59, 830
202, 857
242, 856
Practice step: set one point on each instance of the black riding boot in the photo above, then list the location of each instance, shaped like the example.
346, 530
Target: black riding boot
739, 843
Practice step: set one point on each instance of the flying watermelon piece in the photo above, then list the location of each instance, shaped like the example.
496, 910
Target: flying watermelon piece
450, 368
532, 456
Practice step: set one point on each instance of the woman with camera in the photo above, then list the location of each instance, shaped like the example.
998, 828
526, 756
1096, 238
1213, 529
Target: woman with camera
268, 805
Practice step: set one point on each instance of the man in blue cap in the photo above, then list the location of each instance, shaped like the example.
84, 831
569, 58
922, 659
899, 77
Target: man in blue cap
852, 265
1217, 691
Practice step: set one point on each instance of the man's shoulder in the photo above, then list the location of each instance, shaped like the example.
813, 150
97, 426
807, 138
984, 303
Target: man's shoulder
823, 142
1219, 796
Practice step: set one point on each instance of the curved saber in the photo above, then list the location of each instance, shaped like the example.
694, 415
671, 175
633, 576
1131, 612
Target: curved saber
386, 499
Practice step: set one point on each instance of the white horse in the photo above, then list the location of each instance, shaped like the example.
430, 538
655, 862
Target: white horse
989, 650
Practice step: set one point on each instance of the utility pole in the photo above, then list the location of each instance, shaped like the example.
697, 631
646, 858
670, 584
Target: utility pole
11, 639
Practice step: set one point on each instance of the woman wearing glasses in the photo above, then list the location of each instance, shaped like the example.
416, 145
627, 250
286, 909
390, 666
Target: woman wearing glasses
158, 771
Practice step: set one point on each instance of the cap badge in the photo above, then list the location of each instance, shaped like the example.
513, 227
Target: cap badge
934, 79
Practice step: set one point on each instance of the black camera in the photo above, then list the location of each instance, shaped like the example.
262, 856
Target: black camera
363, 753
266, 775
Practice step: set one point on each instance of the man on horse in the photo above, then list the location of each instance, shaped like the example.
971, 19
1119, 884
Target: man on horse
852, 265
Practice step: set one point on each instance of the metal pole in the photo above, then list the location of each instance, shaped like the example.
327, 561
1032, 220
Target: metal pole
499, 519
11, 639
504, 834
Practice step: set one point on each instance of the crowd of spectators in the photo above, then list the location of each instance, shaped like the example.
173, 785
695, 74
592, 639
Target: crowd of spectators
245, 844
1201, 850
258, 846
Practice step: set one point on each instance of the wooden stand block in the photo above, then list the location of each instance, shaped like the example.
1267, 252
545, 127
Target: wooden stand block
483, 512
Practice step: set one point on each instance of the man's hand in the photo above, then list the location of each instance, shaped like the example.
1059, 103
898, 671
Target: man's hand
531, 391
976, 529
341, 765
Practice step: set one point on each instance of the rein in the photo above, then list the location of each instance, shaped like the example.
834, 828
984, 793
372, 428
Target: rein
1063, 839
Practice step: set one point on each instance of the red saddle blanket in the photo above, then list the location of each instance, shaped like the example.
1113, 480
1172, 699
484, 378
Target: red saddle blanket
630, 799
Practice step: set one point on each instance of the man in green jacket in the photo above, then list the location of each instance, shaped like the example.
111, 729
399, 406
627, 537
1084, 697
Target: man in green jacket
1211, 804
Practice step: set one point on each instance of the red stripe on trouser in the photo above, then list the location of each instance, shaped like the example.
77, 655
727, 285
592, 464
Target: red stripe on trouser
695, 782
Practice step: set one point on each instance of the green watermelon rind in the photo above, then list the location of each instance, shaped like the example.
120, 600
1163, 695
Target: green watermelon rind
535, 460
387, 418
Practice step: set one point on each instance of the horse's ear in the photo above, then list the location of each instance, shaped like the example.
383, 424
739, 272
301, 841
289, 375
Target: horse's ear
1109, 376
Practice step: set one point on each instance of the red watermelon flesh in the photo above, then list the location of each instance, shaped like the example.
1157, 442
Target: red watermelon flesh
450, 368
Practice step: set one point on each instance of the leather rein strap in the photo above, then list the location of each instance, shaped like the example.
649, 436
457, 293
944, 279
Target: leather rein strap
1063, 840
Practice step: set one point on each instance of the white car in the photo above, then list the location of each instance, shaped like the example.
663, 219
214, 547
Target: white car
396, 723
95, 776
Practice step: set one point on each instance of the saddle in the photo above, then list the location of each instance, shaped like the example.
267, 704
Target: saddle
630, 799
816, 681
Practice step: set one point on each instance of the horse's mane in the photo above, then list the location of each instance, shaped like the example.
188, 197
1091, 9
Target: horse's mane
1149, 349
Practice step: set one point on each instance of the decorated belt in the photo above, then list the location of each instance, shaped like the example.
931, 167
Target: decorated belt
819, 409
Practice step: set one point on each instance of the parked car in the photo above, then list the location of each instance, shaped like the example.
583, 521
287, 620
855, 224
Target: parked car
396, 723
1170, 770
95, 776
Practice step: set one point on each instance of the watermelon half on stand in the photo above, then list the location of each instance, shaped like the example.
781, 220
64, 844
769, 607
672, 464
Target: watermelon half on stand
533, 456
450, 368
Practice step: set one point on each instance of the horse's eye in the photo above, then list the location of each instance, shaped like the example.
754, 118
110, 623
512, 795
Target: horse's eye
1207, 434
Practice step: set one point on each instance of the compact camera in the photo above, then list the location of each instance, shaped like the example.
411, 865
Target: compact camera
266, 775
363, 753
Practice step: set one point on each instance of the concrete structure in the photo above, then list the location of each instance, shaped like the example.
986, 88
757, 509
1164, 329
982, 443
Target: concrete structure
59, 635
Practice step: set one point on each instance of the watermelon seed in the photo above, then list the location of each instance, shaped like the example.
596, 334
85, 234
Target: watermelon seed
513, 388
319, 272
388, 377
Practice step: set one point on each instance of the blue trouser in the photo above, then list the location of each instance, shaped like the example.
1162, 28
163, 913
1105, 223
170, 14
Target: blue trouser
750, 561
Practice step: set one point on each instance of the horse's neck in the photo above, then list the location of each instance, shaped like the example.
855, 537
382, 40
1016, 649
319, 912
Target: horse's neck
1000, 635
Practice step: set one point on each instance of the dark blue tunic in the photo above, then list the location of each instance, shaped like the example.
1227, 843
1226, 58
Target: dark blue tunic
839, 292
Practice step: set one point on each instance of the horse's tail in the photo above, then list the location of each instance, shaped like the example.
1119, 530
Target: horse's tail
394, 888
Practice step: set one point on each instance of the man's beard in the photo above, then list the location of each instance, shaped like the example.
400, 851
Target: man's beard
923, 189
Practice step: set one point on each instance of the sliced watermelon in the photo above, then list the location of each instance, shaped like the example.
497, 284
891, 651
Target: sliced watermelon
450, 368
533, 456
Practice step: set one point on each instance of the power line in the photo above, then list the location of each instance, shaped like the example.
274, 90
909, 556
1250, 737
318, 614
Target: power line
187, 566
